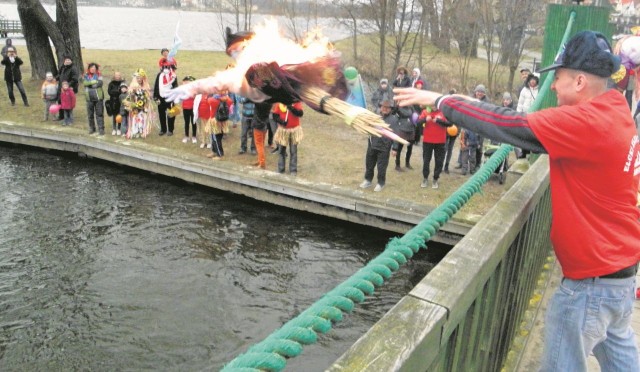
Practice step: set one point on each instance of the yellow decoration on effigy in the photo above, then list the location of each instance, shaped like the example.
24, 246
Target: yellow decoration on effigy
329, 76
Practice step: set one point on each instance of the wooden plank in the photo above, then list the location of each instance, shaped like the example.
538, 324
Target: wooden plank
406, 339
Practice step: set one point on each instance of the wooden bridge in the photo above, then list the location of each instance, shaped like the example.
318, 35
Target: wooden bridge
8, 26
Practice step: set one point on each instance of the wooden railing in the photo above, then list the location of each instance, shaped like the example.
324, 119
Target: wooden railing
8, 26
464, 314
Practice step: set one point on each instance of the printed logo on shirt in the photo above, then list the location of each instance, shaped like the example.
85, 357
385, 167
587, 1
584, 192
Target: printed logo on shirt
633, 151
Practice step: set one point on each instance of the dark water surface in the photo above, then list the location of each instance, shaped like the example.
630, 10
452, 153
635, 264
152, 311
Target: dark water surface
105, 268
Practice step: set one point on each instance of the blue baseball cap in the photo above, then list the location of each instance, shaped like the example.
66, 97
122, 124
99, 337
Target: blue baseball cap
587, 51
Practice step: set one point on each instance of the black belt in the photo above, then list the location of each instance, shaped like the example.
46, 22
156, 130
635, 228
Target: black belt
627, 272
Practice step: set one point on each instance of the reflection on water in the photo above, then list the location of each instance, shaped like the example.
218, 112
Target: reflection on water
102, 268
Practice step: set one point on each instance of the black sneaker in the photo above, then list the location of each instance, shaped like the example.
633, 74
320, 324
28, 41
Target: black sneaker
399, 169
161, 133
275, 151
26, 104
242, 152
409, 166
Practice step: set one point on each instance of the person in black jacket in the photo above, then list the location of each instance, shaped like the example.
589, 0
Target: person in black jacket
69, 73
12, 75
113, 105
378, 150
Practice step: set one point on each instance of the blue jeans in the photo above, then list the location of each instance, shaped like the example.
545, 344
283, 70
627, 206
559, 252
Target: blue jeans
591, 315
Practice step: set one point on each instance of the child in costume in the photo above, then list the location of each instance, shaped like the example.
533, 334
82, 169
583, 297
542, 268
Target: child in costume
165, 81
138, 104
201, 116
187, 112
289, 134
67, 103
221, 106
123, 112
49, 93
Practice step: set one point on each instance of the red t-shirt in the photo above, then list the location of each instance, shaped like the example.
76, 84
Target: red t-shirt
204, 108
594, 160
187, 104
288, 117
433, 132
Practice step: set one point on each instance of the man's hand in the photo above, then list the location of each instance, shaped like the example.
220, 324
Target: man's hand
413, 96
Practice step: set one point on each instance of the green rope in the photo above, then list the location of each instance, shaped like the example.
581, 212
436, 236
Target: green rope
287, 342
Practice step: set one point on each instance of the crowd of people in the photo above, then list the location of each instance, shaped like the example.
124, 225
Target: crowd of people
264, 127
208, 118
425, 124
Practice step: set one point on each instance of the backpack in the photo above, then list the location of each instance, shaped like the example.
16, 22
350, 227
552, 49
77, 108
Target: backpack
222, 114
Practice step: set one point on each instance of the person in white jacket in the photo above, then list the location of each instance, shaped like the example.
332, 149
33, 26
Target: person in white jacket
528, 93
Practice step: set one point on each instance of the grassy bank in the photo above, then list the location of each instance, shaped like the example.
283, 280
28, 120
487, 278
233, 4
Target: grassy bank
330, 153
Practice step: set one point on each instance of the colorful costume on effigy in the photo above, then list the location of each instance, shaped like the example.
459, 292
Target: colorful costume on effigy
139, 105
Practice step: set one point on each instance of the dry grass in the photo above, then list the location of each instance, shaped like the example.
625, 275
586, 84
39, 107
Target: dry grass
330, 153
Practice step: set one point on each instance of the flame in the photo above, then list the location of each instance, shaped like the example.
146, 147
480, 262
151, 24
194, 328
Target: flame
269, 45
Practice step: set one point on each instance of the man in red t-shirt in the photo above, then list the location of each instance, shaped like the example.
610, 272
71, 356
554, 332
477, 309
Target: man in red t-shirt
594, 161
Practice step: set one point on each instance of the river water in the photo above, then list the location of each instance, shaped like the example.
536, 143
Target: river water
144, 28
106, 268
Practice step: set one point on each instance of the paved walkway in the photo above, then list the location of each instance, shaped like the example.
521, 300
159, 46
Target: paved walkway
530, 359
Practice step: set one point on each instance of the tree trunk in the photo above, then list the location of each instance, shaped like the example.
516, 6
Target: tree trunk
67, 22
64, 33
37, 40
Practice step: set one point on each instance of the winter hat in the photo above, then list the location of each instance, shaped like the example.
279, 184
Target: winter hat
419, 82
587, 51
123, 84
417, 71
480, 88
49, 75
384, 81
506, 95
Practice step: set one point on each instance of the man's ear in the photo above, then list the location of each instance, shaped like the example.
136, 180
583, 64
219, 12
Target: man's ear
581, 82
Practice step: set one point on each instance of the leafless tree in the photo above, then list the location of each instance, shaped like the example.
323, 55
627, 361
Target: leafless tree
241, 9
464, 25
348, 14
39, 28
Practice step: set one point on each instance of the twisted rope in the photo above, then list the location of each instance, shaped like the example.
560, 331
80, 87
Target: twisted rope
287, 342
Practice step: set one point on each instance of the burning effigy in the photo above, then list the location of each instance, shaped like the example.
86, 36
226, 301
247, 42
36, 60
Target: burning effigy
269, 67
